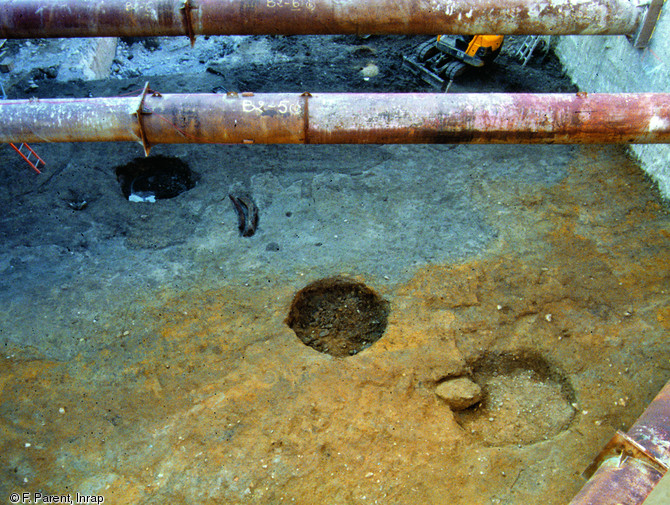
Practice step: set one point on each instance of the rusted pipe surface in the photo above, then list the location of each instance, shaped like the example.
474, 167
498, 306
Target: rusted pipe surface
652, 429
660, 495
288, 118
111, 18
490, 118
627, 475
619, 481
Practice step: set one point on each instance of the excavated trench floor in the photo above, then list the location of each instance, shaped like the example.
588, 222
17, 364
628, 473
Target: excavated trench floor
150, 354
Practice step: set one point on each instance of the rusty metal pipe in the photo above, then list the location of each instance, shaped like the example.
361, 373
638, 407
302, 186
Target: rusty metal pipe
342, 118
112, 18
631, 464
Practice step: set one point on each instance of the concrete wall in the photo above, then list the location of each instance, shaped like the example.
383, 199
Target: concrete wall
612, 64
91, 60
69, 59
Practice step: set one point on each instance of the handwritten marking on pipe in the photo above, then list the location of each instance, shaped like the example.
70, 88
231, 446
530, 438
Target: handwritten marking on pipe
291, 4
262, 108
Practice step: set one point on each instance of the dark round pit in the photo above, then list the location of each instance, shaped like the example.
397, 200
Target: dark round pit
155, 178
338, 316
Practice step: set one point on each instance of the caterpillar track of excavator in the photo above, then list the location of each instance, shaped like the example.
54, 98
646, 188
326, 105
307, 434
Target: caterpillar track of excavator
439, 61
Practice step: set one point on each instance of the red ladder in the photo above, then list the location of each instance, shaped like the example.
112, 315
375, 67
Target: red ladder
27, 156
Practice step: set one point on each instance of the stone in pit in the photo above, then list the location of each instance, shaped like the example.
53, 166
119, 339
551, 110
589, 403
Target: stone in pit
459, 393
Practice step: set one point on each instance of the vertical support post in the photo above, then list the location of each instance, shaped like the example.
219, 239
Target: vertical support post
647, 25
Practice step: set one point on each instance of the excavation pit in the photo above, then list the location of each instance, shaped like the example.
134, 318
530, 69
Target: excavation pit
338, 316
155, 178
526, 400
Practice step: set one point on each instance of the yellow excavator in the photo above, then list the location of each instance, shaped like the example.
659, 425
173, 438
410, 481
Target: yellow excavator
439, 61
